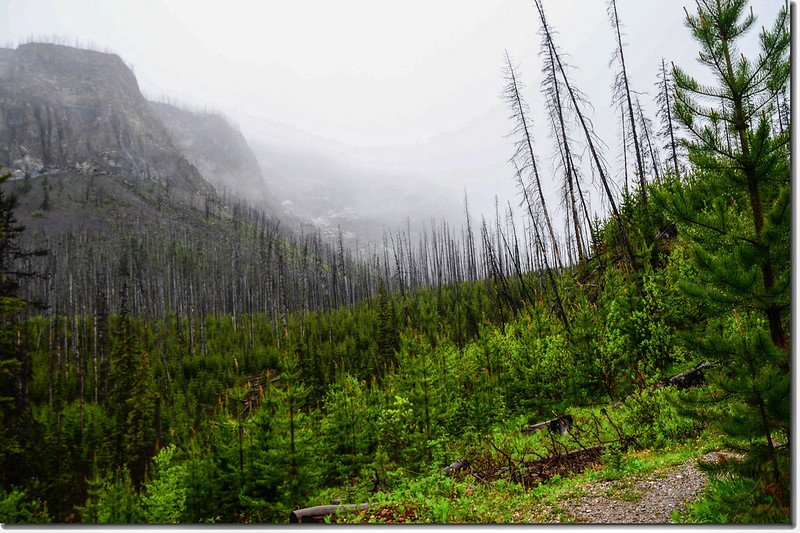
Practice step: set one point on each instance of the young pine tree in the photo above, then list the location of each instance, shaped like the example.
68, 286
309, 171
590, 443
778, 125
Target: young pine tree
140, 437
735, 214
15, 365
388, 332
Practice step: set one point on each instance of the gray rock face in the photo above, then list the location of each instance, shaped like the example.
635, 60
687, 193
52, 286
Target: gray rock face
63, 108
219, 151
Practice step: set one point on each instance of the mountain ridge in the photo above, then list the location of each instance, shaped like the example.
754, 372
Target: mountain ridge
81, 111
219, 151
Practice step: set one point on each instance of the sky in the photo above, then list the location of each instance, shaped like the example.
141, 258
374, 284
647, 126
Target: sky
412, 88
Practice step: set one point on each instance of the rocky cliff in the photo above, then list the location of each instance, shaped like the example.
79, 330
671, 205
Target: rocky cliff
219, 151
81, 111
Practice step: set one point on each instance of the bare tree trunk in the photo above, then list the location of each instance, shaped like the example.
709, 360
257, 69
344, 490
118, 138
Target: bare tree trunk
626, 86
666, 108
518, 106
589, 140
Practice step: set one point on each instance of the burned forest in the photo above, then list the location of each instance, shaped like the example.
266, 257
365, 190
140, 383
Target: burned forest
180, 344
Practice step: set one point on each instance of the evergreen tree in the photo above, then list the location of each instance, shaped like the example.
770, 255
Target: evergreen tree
280, 472
130, 399
15, 365
112, 500
292, 398
346, 428
164, 497
735, 213
140, 436
388, 331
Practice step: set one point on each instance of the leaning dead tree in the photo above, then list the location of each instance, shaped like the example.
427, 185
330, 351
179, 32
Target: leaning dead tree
559, 306
591, 138
622, 97
624, 151
665, 100
557, 108
524, 156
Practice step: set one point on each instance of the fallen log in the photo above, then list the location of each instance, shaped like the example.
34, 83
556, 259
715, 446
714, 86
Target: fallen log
572, 457
540, 470
560, 425
573, 462
454, 467
316, 515
690, 378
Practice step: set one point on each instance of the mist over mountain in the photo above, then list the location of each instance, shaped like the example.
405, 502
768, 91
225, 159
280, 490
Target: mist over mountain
84, 146
332, 193
219, 151
115, 186
78, 118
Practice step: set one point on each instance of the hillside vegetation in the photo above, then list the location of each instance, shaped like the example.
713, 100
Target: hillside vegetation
277, 373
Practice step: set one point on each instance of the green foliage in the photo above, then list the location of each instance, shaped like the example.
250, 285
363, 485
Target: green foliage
753, 389
738, 500
738, 230
397, 428
388, 341
164, 497
140, 438
349, 428
17, 508
653, 417
112, 500
71, 443
282, 469
540, 369
615, 357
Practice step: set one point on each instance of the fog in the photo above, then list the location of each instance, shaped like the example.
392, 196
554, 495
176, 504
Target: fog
407, 92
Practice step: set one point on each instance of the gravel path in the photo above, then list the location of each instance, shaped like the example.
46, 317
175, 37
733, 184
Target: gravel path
647, 499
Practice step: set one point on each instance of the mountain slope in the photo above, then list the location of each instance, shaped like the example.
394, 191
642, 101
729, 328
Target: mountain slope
115, 198
69, 109
74, 123
218, 151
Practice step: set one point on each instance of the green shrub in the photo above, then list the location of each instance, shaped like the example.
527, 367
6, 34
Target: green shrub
735, 500
16, 508
164, 497
652, 417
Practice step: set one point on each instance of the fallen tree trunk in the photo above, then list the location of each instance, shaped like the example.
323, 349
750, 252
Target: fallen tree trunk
454, 467
562, 464
534, 472
690, 378
316, 515
560, 425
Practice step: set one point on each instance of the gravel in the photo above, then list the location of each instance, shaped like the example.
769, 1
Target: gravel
638, 500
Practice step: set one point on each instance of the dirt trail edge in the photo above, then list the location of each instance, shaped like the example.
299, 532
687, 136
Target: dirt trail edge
645, 499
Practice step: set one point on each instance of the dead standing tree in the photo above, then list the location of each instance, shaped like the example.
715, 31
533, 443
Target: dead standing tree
557, 109
647, 136
544, 267
591, 138
622, 97
524, 156
665, 101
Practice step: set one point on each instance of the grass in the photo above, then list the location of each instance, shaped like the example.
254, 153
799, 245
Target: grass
438, 499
